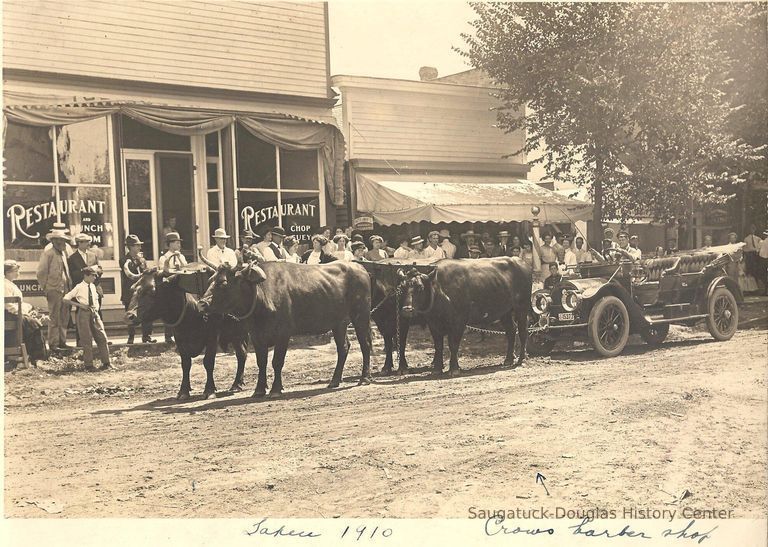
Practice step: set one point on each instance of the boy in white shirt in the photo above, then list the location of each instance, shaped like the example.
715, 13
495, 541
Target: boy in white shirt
85, 298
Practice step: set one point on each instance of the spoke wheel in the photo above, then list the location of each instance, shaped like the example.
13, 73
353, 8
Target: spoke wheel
723, 314
609, 326
654, 335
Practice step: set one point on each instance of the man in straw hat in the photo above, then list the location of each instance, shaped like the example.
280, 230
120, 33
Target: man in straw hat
55, 280
469, 238
433, 251
417, 249
221, 254
84, 297
502, 248
131, 267
172, 261
63, 227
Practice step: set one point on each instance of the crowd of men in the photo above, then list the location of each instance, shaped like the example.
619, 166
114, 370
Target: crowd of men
69, 270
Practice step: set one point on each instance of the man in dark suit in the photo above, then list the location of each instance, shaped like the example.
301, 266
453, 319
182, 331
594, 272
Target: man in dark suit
502, 248
83, 257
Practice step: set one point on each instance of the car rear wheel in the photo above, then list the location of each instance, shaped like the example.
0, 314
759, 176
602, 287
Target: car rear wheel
609, 326
654, 335
723, 314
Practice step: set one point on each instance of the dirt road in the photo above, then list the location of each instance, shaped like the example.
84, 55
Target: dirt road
606, 433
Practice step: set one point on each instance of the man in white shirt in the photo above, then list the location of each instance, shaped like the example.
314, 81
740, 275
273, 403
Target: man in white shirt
445, 243
59, 226
433, 251
580, 250
89, 324
172, 260
221, 254
274, 251
623, 237
751, 247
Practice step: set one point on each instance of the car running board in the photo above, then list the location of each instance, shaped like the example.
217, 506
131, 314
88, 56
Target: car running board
674, 319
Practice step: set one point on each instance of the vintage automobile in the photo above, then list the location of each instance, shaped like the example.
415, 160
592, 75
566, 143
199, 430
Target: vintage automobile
608, 301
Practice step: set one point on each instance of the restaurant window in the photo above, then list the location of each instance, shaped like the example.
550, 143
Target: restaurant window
267, 196
56, 174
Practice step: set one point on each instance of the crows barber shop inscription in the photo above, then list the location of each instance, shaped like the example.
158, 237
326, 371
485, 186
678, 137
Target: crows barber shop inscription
24, 221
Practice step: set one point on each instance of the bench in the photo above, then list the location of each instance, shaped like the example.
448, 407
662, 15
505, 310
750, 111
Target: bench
682, 264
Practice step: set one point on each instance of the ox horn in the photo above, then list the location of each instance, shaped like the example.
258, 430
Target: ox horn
205, 260
130, 275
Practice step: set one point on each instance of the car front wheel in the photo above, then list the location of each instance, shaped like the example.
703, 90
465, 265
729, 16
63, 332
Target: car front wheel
723, 314
609, 326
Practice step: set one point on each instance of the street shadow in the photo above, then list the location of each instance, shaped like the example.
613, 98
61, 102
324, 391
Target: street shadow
224, 399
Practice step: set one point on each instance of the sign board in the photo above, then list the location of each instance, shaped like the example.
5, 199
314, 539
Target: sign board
363, 223
300, 217
33, 222
30, 287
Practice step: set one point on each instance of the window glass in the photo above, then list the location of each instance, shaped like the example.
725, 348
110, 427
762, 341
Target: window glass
298, 169
213, 201
300, 213
212, 144
256, 166
137, 177
28, 153
86, 209
258, 210
140, 136
212, 172
83, 151
28, 215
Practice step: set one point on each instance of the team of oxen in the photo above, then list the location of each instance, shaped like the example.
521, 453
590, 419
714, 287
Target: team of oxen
267, 303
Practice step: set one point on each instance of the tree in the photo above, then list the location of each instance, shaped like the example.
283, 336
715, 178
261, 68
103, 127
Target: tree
636, 101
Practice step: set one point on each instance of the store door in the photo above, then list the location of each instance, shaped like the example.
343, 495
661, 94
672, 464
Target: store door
159, 197
176, 200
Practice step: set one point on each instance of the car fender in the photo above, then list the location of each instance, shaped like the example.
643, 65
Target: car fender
636, 318
587, 287
727, 282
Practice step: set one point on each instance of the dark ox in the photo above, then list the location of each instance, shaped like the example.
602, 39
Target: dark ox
157, 296
277, 300
386, 302
474, 292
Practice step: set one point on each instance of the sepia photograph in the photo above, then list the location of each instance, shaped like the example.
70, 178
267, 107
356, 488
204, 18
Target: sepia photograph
333, 272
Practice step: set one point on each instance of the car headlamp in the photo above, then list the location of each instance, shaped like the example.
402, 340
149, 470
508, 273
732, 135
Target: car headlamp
571, 300
540, 301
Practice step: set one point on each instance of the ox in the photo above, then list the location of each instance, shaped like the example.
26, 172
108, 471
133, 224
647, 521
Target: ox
277, 300
386, 302
476, 292
158, 296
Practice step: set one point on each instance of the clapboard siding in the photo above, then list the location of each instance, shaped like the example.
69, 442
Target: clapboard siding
257, 47
415, 121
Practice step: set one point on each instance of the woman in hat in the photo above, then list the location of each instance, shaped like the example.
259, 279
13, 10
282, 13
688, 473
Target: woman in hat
221, 254
341, 252
131, 267
274, 252
291, 245
358, 251
317, 254
376, 253
403, 250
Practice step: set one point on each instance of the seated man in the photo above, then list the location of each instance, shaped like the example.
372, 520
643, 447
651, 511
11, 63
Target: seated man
554, 278
31, 319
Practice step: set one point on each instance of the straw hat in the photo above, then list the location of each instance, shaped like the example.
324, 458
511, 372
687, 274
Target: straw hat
220, 233
57, 234
417, 240
83, 237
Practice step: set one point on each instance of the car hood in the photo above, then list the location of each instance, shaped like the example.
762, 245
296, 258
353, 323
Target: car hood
588, 287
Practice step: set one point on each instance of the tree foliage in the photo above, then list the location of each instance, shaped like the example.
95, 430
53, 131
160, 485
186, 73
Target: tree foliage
662, 106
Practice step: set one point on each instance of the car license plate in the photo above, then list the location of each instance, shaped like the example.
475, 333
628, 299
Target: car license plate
565, 316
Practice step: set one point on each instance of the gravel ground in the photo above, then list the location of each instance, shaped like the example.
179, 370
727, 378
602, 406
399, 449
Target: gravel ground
638, 430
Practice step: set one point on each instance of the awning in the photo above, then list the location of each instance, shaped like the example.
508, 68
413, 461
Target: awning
399, 199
